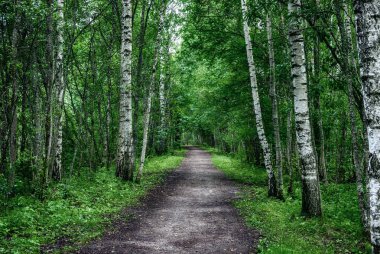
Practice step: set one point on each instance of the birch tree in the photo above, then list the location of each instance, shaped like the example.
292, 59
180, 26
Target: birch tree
157, 53
273, 94
256, 104
60, 87
368, 31
125, 162
311, 197
164, 61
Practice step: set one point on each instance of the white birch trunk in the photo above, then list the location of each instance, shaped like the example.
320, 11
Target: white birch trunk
256, 105
162, 98
125, 162
368, 30
60, 87
311, 197
157, 53
273, 94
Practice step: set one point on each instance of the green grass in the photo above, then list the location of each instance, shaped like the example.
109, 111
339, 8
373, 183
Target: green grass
77, 209
282, 227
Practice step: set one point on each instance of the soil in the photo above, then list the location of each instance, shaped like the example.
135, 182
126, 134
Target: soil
190, 213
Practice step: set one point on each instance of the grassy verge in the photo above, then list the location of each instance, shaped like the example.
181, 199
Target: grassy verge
76, 210
283, 229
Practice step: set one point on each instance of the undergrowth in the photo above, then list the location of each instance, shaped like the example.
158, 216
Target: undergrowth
281, 225
76, 210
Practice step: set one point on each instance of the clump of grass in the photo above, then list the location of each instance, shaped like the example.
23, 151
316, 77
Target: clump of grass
282, 227
77, 209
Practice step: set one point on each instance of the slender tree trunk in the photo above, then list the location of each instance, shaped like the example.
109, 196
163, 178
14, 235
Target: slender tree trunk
273, 94
256, 104
139, 80
321, 135
340, 176
60, 88
311, 197
13, 129
37, 121
125, 162
49, 90
157, 53
162, 98
108, 123
349, 74
367, 26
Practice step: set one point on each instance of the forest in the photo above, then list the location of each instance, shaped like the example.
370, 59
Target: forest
104, 101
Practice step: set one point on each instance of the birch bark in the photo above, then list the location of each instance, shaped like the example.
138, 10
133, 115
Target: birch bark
368, 30
157, 53
125, 162
162, 97
256, 105
60, 88
273, 94
311, 197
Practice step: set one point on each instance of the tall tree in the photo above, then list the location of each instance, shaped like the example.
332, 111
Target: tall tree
48, 82
367, 26
317, 102
157, 53
164, 62
145, 10
311, 196
60, 89
256, 104
14, 85
274, 96
125, 162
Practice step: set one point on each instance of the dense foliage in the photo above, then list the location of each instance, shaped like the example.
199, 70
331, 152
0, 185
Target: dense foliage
88, 86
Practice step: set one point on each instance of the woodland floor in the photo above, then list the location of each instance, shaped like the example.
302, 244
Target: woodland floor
191, 213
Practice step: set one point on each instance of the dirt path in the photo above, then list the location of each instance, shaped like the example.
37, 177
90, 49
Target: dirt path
190, 213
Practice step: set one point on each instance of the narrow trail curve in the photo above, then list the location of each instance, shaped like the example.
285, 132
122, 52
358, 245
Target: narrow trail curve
190, 213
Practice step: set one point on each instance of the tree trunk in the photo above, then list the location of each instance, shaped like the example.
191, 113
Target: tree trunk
311, 197
139, 81
273, 94
340, 166
367, 26
157, 53
13, 127
349, 74
256, 105
48, 89
162, 98
60, 88
125, 162
317, 101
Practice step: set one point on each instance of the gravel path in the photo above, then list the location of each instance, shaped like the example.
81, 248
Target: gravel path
190, 213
